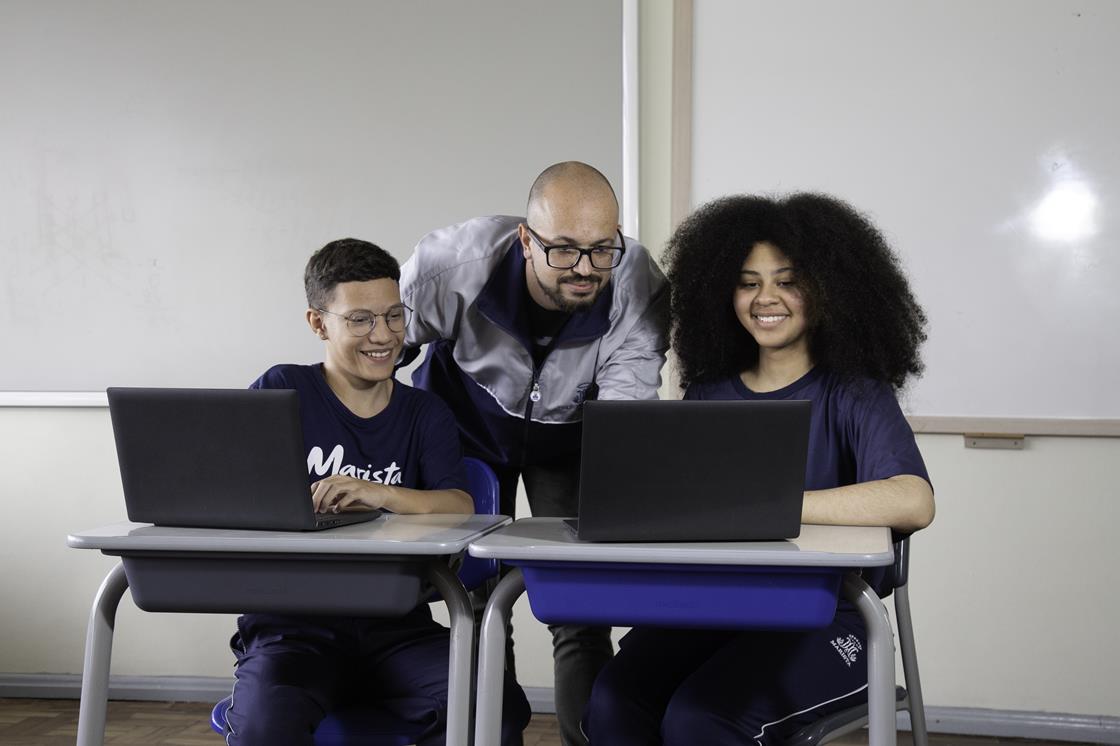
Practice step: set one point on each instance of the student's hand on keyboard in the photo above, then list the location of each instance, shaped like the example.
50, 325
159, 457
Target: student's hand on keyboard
338, 493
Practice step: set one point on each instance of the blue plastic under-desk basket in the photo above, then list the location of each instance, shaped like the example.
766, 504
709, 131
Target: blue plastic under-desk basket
712, 596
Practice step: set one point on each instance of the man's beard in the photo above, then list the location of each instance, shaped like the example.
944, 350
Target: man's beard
568, 305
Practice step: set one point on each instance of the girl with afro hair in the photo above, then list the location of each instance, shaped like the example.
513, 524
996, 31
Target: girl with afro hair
791, 298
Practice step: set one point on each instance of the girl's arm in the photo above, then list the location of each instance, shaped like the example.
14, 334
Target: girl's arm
904, 503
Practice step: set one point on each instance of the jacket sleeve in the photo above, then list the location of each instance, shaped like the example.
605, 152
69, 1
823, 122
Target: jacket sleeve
633, 369
435, 310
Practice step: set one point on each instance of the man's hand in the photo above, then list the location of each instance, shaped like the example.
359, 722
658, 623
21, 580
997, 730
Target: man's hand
339, 493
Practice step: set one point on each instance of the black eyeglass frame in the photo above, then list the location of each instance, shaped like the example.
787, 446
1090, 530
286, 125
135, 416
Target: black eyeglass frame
373, 321
616, 251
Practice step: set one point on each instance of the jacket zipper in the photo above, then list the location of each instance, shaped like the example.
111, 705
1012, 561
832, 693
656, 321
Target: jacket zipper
534, 397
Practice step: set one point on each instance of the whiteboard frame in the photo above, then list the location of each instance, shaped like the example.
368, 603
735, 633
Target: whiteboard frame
1071, 427
53, 399
1059, 426
631, 108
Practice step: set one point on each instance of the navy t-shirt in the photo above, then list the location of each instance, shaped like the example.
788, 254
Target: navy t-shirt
857, 433
413, 442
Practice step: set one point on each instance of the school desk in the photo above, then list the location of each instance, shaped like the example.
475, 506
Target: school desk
379, 568
789, 584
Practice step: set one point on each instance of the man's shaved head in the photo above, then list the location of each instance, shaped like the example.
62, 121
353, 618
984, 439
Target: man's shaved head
570, 185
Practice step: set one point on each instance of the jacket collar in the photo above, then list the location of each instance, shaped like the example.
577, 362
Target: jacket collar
504, 300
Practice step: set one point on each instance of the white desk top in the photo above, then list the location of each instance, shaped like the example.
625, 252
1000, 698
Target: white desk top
430, 535
548, 539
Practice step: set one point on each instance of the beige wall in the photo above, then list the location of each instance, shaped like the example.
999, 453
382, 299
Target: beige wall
60, 463
1012, 587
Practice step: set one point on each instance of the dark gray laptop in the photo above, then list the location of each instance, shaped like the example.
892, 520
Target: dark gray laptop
692, 470
216, 458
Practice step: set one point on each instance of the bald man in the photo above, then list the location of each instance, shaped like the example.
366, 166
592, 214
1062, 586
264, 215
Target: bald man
525, 319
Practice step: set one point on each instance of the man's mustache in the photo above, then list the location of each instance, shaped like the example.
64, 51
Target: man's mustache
581, 279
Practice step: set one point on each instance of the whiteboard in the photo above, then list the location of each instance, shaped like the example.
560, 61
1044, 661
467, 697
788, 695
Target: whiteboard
982, 137
166, 169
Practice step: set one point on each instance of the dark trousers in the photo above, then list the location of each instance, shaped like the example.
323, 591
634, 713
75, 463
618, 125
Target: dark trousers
579, 652
292, 671
684, 687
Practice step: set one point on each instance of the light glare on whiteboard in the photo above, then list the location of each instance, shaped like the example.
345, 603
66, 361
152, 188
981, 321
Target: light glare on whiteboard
1067, 213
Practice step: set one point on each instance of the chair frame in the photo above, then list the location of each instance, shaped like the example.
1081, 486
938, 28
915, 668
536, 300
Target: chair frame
908, 698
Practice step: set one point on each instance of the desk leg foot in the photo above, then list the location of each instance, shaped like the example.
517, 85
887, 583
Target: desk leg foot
881, 729
492, 658
99, 652
459, 665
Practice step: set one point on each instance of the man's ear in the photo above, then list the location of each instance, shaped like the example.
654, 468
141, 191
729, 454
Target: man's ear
315, 321
526, 242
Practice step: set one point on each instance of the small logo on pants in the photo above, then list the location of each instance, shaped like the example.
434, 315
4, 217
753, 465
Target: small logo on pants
848, 647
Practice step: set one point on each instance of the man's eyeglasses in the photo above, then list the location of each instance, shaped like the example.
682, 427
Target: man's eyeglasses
566, 256
361, 323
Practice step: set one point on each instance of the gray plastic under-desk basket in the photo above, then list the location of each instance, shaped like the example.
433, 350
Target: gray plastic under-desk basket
279, 583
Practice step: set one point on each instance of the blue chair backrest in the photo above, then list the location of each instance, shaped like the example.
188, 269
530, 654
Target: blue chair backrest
483, 485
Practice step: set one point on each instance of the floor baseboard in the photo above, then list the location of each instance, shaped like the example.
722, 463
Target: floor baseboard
143, 688
972, 721
1051, 726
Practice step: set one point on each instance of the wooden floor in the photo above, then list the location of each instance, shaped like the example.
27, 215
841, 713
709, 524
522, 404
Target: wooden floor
47, 722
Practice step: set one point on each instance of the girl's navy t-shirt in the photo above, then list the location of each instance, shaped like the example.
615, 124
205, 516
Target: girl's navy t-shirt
857, 433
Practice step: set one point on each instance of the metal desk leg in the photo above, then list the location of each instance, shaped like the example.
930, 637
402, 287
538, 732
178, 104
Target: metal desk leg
459, 666
99, 652
492, 659
880, 661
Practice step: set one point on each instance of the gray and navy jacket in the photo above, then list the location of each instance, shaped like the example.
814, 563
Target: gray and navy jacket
466, 286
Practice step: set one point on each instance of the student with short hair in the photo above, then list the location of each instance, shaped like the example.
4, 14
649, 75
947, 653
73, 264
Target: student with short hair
794, 298
373, 443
